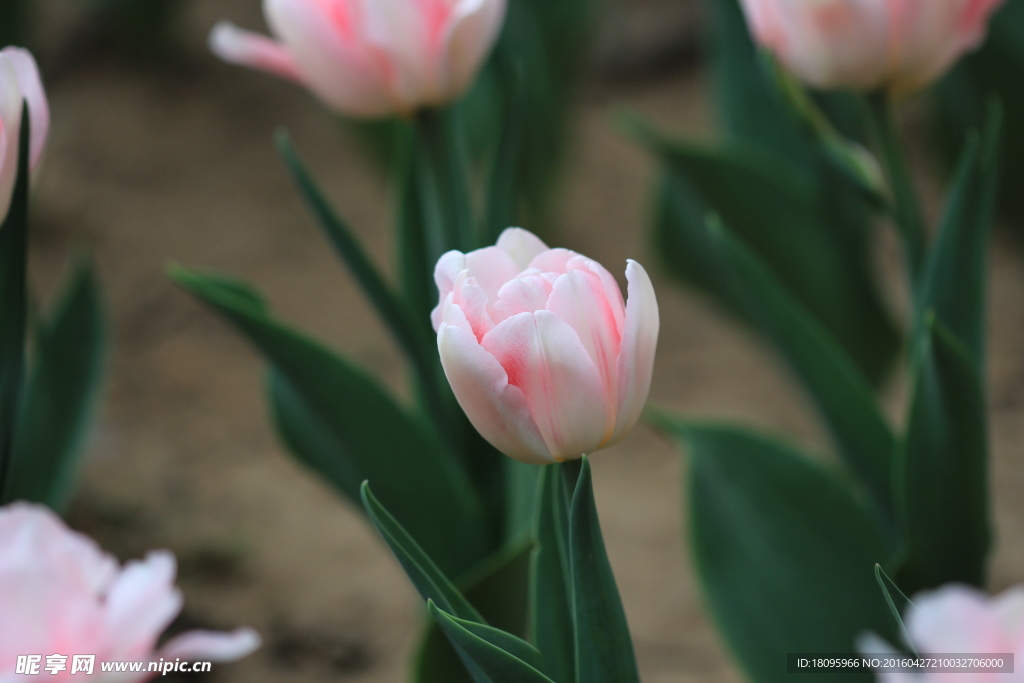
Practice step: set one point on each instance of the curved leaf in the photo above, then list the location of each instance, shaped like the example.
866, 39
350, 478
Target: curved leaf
361, 425
604, 647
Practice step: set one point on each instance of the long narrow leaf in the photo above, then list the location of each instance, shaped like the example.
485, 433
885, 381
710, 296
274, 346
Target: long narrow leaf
13, 306
432, 584
604, 647
841, 394
501, 656
416, 475
884, 583
410, 333
943, 467
61, 394
551, 616
953, 282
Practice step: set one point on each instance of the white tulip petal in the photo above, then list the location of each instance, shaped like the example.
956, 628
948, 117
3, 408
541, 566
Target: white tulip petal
497, 409
522, 245
245, 48
639, 343
544, 357
212, 646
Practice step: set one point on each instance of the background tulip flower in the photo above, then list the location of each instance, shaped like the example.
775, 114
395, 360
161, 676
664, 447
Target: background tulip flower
19, 82
370, 58
541, 352
960, 619
61, 594
901, 45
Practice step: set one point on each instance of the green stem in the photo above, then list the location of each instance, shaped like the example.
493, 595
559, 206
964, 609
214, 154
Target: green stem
445, 190
906, 208
570, 476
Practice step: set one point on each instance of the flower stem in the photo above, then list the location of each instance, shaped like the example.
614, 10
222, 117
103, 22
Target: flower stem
448, 214
906, 208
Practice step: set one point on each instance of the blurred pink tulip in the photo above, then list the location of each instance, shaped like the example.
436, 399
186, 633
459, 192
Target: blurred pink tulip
901, 45
61, 594
370, 58
964, 620
19, 82
541, 352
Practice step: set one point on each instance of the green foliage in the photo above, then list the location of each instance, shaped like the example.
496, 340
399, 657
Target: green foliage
994, 70
13, 308
45, 405
502, 657
60, 395
942, 472
604, 648
784, 550
358, 431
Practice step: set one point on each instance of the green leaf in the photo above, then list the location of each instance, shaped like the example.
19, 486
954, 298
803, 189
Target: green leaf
501, 656
61, 394
884, 582
412, 334
942, 470
425, 575
497, 587
359, 432
551, 611
604, 648
784, 551
503, 186
806, 237
13, 306
842, 395
953, 283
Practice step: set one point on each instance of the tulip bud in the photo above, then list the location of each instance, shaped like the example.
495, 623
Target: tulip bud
62, 595
959, 619
541, 352
370, 58
19, 83
899, 45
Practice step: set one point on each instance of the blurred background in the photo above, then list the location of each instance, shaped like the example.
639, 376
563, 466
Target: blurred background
160, 154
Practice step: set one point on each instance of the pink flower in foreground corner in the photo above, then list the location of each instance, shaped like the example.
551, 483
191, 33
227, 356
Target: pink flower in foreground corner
541, 352
957, 619
61, 594
370, 58
19, 82
902, 45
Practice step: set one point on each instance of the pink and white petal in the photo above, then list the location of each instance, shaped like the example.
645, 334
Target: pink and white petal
1009, 609
953, 618
445, 273
544, 357
522, 245
141, 603
31, 86
212, 646
492, 267
245, 48
579, 299
553, 260
472, 299
525, 294
470, 34
611, 288
636, 355
336, 64
497, 409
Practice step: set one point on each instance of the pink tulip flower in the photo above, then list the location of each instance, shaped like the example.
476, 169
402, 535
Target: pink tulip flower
61, 594
370, 58
958, 619
19, 82
900, 45
541, 352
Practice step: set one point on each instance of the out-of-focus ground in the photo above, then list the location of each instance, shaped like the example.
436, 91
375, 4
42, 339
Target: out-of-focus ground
145, 168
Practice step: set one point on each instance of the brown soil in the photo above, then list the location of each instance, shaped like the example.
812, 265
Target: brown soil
147, 168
